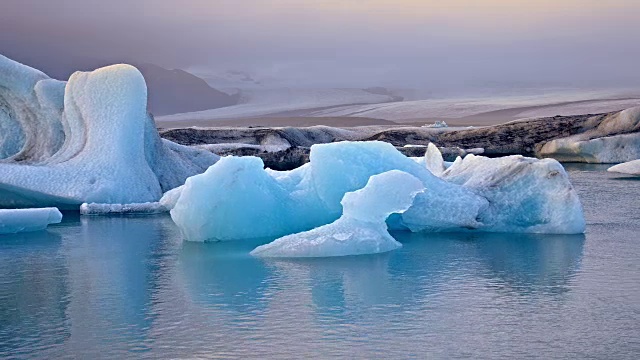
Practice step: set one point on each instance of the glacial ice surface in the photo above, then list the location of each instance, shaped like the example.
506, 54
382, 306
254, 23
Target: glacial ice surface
630, 167
24, 220
361, 229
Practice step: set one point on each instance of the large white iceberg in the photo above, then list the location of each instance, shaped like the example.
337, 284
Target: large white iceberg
24, 220
362, 228
237, 199
630, 168
614, 139
87, 140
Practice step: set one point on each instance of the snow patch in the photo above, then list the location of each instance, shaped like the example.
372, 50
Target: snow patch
630, 167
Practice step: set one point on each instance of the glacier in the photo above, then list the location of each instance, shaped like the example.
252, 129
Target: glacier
630, 168
361, 229
237, 199
309, 102
84, 141
24, 220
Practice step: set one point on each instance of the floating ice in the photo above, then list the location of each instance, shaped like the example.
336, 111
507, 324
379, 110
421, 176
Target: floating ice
630, 167
437, 124
615, 139
524, 194
23, 220
30, 106
106, 209
361, 229
338, 168
90, 140
237, 199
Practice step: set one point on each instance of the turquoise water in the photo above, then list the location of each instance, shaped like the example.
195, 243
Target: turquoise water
128, 287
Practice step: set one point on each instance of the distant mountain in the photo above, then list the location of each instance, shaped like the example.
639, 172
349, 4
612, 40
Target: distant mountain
177, 91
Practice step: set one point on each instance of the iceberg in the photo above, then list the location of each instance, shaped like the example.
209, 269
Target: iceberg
361, 229
338, 168
87, 140
112, 209
615, 139
24, 220
524, 194
30, 109
630, 168
237, 199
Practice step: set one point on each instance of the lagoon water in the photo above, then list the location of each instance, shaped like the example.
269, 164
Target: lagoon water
116, 287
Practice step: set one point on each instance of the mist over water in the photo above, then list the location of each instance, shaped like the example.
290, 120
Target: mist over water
422, 44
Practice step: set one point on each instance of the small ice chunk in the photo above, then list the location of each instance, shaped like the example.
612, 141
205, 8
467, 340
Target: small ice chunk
106, 209
437, 124
23, 220
361, 229
475, 151
629, 167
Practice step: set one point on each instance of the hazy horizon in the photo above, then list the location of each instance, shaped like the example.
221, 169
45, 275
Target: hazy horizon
402, 43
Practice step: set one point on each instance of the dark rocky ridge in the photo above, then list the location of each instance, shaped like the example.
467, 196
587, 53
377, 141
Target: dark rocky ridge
282, 160
524, 137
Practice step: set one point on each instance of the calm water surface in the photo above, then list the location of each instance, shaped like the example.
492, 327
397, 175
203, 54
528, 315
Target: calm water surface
128, 287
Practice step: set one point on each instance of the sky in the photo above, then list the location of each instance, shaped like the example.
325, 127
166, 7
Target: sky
401, 43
